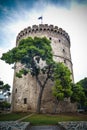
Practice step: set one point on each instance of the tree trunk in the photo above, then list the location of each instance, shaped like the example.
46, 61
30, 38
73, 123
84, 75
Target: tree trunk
42, 86
39, 99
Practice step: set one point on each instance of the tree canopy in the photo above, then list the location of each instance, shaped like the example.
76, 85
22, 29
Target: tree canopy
80, 89
4, 88
83, 83
78, 93
62, 85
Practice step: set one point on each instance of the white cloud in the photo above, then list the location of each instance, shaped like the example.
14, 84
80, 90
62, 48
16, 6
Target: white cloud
73, 20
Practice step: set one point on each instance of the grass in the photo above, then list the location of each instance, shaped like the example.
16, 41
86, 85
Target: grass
12, 116
40, 119
43, 119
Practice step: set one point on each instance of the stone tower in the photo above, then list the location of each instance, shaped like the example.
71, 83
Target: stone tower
25, 90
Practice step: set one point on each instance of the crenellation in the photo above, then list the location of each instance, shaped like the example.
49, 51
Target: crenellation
28, 30
60, 29
51, 27
56, 27
25, 31
46, 26
41, 26
21, 34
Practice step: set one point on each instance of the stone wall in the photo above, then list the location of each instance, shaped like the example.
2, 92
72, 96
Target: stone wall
73, 125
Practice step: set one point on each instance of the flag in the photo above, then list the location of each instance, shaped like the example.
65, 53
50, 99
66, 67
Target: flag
40, 17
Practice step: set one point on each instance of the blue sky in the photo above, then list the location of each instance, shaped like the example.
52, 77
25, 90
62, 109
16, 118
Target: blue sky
71, 15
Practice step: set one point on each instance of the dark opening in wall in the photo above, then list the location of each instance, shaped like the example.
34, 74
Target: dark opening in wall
50, 38
64, 50
64, 61
59, 40
25, 100
16, 90
44, 29
40, 29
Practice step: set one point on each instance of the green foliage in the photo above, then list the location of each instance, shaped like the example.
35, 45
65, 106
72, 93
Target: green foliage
1, 83
62, 82
83, 83
83, 94
78, 93
27, 51
4, 88
58, 91
4, 105
21, 72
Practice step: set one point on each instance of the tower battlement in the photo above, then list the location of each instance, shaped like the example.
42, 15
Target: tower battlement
42, 27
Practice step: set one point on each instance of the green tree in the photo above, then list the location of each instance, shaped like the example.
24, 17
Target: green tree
4, 88
62, 83
29, 52
1, 85
78, 95
83, 84
5, 105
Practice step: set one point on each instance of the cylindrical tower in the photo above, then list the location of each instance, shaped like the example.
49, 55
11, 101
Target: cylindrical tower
25, 90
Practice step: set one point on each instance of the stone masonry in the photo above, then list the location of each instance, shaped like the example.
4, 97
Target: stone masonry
26, 89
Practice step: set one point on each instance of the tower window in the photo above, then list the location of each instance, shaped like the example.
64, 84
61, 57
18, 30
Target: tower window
25, 100
64, 61
63, 50
16, 90
40, 29
50, 38
44, 29
59, 40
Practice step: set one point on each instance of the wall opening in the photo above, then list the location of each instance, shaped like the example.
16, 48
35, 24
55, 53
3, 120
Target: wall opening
16, 90
25, 100
64, 61
63, 50
50, 38
59, 40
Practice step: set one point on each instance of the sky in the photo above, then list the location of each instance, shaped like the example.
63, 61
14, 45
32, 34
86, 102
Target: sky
71, 15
